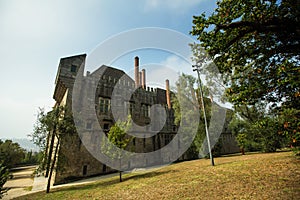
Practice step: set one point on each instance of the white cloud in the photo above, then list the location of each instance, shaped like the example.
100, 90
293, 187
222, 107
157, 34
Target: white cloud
174, 5
170, 69
178, 64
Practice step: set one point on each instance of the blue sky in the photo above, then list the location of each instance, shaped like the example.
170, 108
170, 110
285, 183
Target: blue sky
36, 34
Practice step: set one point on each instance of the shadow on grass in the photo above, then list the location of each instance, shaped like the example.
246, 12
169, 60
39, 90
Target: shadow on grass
21, 176
113, 180
256, 152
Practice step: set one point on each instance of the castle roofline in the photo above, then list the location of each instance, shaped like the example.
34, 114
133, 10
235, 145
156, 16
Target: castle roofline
109, 68
74, 56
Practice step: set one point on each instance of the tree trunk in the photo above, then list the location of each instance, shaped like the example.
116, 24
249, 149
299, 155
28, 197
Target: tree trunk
45, 156
243, 151
120, 174
49, 156
52, 166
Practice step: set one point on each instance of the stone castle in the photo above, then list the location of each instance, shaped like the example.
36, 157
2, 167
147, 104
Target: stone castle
73, 160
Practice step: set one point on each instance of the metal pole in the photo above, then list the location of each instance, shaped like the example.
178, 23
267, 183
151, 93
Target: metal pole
204, 115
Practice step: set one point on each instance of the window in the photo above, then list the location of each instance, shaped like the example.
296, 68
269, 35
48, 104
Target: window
145, 110
89, 125
106, 128
168, 139
104, 105
174, 128
131, 108
79, 144
73, 68
84, 170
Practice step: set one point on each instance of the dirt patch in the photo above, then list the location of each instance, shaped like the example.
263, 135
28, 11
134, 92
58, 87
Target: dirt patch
21, 181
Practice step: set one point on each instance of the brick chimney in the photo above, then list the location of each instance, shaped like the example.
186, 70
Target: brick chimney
168, 93
136, 72
143, 78
140, 77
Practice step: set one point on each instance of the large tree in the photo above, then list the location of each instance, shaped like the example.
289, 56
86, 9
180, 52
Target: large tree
11, 153
256, 47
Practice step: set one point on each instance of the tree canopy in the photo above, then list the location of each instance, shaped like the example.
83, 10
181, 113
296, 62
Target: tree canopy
11, 153
256, 46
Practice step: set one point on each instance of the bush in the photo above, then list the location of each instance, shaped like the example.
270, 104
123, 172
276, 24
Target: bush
296, 151
4, 175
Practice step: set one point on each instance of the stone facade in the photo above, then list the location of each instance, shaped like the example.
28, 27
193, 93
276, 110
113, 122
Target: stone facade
73, 159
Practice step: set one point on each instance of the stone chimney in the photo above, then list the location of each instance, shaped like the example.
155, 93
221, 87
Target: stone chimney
136, 72
143, 78
168, 94
140, 77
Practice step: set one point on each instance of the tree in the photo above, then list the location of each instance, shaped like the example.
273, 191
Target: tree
256, 130
256, 47
185, 86
288, 123
4, 175
39, 135
11, 153
33, 157
241, 140
118, 137
40, 130
47, 134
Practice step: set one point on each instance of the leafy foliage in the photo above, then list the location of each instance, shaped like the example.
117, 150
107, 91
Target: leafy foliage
289, 126
54, 124
40, 129
255, 43
118, 137
256, 46
59, 119
4, 175
257, 131
32, 158
185, 85
11, 153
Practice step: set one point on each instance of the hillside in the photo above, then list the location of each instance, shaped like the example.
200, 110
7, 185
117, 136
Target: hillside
24, 143
255, 176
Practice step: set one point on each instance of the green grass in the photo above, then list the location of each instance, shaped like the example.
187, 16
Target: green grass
255, 176
28, 188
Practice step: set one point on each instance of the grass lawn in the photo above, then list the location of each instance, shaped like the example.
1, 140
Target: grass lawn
255, 176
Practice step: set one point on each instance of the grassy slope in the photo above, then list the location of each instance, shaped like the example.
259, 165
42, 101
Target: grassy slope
256, 176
